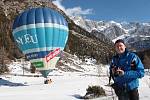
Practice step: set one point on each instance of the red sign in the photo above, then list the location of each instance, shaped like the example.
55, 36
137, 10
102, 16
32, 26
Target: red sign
52, 54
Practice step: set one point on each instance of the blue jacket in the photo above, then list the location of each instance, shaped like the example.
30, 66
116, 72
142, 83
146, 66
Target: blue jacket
133, 68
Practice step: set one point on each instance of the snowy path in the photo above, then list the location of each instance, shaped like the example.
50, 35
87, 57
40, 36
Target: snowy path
65, 87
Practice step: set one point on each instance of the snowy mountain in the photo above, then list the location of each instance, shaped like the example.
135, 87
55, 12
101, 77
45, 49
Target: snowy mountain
101, 26
135, 34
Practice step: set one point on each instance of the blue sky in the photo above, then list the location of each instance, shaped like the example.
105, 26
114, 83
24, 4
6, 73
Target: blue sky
117, 10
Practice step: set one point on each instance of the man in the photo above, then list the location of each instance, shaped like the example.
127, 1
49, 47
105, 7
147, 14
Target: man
125, 69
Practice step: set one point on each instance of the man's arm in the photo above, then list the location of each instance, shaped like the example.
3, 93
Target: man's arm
138, 72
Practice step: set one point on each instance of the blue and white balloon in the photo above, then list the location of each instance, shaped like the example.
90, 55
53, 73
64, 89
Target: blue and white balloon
41, 34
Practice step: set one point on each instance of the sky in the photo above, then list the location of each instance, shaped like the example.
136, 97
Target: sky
116, 10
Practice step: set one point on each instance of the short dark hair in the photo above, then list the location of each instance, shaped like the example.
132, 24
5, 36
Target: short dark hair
120, 40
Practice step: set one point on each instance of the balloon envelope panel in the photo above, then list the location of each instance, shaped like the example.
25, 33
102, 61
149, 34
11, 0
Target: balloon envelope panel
41, 34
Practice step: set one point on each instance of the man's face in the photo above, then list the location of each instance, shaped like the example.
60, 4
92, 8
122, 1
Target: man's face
120, 47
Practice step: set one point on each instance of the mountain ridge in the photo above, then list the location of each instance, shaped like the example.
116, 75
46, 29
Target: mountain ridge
128, 31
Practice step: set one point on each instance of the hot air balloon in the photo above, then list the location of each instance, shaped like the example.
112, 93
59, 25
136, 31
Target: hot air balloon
41, 34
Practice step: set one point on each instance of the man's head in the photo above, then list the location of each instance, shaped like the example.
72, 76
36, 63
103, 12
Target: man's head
120, 46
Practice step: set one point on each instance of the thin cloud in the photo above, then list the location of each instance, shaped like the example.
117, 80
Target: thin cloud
59, 5
75, 11
78, 11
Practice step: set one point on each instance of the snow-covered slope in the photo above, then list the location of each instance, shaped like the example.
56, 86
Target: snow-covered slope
20, 84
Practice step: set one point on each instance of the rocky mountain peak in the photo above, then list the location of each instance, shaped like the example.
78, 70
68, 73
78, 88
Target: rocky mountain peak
133, 33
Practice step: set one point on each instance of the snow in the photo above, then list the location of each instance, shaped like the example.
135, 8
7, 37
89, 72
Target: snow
23, 85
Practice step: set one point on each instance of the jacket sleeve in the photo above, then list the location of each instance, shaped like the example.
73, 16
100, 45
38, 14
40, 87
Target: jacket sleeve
138, 72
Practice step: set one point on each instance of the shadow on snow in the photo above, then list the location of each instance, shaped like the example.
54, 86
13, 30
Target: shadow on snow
4, 82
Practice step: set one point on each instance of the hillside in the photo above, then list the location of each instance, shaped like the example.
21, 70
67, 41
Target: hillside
79, 38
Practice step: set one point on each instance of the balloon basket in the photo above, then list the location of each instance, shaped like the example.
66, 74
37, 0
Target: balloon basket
48, 81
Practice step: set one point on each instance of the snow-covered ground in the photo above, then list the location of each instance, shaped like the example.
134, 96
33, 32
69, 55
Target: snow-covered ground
22, 85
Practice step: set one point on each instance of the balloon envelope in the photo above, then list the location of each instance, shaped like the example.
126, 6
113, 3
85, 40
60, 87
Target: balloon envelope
41, 34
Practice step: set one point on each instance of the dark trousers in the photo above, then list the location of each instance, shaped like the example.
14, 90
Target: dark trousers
127, 95
123, 94
133, 94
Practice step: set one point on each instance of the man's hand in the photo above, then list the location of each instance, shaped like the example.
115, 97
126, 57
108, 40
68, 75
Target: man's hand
120, 72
